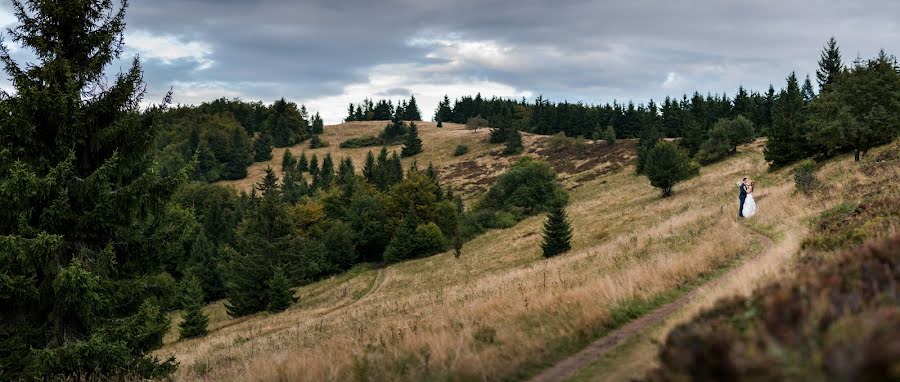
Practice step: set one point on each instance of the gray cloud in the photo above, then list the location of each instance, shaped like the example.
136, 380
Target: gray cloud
330, 52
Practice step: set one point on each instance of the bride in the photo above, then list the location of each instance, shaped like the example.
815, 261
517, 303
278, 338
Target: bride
749, 204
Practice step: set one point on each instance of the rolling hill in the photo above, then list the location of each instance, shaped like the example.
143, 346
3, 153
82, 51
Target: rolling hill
501, 311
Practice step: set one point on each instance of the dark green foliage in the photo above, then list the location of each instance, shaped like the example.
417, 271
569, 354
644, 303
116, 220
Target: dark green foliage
80, 277
288, 163
317, 142
461, 150
369, 168
649, 137
339, 241
724, 138
412, 144
411, 110
279, 291
393, 133
194, 320
346, 172
314, 166
788, 136
529, 185
262, 148
384, 110
293, 188
285, 124
805, 177
367, 215
860, 110
318, 126
807, 90
204, 265
830, 65
411, 240
557, 232
325, 178
440, 124
609, 135
303, 163
364, 141
668, 164
513, 143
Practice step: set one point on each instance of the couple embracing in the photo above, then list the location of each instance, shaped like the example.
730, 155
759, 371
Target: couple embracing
748, 205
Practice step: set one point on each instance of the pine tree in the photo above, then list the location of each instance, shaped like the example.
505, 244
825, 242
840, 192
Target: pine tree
346, 171
314, 166
288, 163
318, 126
326, 175
204, 264
439, 124
350, 114
787, 139
412, 144
557, 232
830, 65
74, 175
369, 168
195, 321
279, 290
513, 143
411, 110
807, 90
302, 164
262, 148
236, 167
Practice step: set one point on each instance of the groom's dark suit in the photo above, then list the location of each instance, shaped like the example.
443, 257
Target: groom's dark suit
742, 197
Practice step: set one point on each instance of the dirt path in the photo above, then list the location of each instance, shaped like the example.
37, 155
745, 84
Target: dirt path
567, 368
380, 277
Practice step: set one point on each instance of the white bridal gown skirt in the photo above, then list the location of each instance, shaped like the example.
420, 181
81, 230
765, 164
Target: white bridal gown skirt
749, 207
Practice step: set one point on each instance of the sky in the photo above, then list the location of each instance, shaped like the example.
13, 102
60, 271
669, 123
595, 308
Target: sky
327, 53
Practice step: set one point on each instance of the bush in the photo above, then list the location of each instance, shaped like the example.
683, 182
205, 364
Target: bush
668, 164
529, 185
609, 135
560, 141
476, 123
317, 142
429, 239
805, 177
461, 150
724, 138
357, 142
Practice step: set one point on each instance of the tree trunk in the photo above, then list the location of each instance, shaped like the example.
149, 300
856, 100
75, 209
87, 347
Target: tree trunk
856, 155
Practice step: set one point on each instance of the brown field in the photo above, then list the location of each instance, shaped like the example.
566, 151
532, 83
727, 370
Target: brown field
501, 311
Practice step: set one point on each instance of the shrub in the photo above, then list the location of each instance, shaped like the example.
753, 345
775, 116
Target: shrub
317, 142
805, 177
529, 184
195, 321
461, 150
668, 164
429, 239
560, 142
357, 142
513, 143
476, 123
609, 135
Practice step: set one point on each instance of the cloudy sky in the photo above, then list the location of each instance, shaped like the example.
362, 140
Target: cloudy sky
326, 53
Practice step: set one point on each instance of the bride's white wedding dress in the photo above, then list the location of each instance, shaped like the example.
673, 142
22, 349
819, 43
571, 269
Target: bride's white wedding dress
749, 206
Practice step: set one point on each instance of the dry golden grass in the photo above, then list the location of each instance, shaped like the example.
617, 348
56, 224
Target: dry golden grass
785, 217
501, 307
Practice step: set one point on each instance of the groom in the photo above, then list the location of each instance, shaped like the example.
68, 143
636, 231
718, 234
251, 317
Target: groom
742, 196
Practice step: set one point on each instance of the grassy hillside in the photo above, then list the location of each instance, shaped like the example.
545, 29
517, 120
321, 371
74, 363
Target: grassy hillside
471, 173
502, 311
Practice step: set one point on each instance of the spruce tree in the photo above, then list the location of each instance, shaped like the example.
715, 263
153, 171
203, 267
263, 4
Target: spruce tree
204, 265
326, 175
303, 163
412, 144
236, 167
346, 171
807, 90
288, 163
411, 111
788, 136
314, 166
279, 291
513, 143
195, 321
262, 148
318, 126
78, 270
830, 65
557, 232
350, 114
369, 168
440, 124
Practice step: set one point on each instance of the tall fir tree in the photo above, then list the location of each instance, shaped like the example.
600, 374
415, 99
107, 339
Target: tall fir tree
326, 176
288, 163
513, 143
411, 111
412, 144
557, 232
194, 323
279, 291
240, 157
807, 90
830, 65
318, 126
204, 265
788, 139
78, 270
369, 168
302, 163
262, 148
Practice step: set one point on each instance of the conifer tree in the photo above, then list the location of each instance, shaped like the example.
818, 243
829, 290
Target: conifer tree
204, 265
195, 321
369, 168
395, 170
236, 167
326, 175
346, 172
279, 292
314, 166
318, 126
350, 114
292, 188
288, 163
788, 136
303, 163
557, 232
412, 144
830, 65
262, 148
411, 110
807, 90
439, 123
74, 174
513, 143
